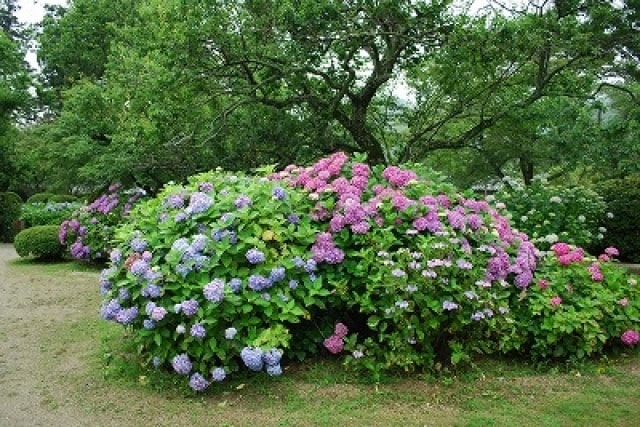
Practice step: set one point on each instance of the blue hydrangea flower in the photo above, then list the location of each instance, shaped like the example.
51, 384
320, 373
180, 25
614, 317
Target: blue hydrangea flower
190, 307
151, 291
180, 245
311, 265
115, 256
279, 193
274, 370
254, 256
252, 358
272, 357
181, 364
199, 242
298, 262
218, 374
156, 361
148, 324
183, 269
138, 244
258, 282
126, 316
293, 284
198, 202
149, 307
197, 382
198, 331
293, 219
105, 286
235, 285
139, 267
110, 309
229, 333
214, 290
449, 305
277, 274
123, 294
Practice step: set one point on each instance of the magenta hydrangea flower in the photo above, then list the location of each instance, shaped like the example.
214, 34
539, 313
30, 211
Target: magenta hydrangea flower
340, 330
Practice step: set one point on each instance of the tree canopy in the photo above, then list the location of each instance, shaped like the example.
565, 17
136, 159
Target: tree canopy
156, 90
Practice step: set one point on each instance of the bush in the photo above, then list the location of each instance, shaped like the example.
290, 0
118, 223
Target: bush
40, 198
579, 306
63, 198
622, 225
40, 242
87, 233
549, 214
10, 204
396, 269
50, 213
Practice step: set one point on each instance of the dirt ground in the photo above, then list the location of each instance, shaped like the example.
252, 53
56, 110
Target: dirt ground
35, 308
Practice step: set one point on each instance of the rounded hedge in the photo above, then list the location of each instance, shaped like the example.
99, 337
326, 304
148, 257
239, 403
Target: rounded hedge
39, 242
622, 226
40, 198
10, 205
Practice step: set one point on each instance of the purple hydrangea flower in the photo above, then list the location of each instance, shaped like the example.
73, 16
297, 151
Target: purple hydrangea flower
174, 201
252, 358
123, 294
214, 290
293, 219
158, 313
151, 291
115, 256
293, 284
181, 364
197, 382
242, 201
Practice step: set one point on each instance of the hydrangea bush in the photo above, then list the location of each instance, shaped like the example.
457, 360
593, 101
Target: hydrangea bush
88, 232
550, 214
392, 269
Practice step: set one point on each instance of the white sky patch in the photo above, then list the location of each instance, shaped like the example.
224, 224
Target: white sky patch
32, 12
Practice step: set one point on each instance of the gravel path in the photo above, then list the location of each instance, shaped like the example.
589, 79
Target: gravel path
36, 307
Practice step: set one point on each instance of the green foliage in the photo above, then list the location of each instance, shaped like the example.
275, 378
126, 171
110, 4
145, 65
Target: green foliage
10, 204
622, 197
40, 241
549, 213
578, 307
47, 213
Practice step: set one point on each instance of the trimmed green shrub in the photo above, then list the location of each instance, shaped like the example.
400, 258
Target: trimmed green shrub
40, 241
63, 198
40, 198
550, 214
50, 213
10, 204
622, 225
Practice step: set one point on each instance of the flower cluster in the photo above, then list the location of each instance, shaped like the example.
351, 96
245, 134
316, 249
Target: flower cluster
335, 343
88, 232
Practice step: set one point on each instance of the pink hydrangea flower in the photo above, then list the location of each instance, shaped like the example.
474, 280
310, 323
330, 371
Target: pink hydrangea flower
556, 301
611, 251
341, 330
334, 344
543, 284
630, 337
561, 249
623, 302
